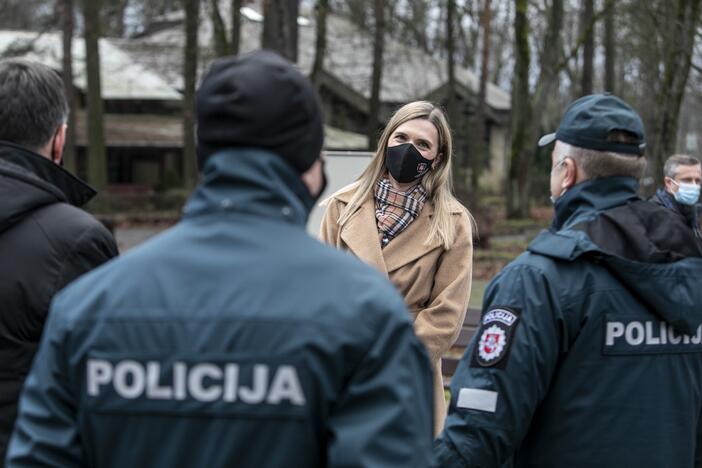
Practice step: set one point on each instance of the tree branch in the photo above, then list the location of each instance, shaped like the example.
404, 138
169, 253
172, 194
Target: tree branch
583, 35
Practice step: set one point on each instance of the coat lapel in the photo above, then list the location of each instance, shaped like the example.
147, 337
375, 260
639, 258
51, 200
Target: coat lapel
360, 234
410, 244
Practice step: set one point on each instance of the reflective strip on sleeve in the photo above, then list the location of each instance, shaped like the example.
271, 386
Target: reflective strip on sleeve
473, 398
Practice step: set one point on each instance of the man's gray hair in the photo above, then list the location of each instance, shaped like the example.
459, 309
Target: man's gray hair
32, 103
672, 163
596, 164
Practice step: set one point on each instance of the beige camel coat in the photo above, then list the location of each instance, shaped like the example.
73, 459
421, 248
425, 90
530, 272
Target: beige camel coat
434, 282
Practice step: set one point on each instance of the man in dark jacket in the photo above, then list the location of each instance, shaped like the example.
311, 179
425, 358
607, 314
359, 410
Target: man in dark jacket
45, 240
681, 189
234, 339
589, 352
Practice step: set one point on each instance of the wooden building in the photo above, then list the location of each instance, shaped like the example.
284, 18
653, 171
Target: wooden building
142, 89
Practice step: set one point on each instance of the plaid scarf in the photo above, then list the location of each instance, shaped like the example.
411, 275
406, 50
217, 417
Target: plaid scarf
395, 210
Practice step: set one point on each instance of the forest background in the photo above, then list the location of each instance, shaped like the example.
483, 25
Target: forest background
545, 53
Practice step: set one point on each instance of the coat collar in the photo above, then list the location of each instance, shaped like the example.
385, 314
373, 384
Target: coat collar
588, 198
22, 164
689, 212
360, 234
580, 204
253, 181
29, 181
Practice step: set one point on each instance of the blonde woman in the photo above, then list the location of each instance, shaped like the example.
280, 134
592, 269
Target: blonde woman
401, 217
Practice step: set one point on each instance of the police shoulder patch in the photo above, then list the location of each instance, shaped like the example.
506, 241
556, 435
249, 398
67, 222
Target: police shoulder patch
494, 338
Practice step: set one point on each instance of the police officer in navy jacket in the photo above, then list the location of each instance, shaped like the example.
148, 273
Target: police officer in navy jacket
233, 339
589, 352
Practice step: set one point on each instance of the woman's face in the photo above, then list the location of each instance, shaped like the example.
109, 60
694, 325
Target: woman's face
421, 133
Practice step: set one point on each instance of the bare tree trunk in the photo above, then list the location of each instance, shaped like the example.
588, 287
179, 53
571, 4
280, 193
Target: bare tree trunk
236, 26
470, 58
419, 23
678, 50
219, 36
451, 54
376, 80
192, 17
531, 114
321, 9
610, 51
465, 41
358, 12
455, 108
280, 27
517, 202
293, 11
544, 106
272, 33
585, 30
451, 103
116, 10
481, 151
588, 47
502, 42
97, 155
69, 151
451, 63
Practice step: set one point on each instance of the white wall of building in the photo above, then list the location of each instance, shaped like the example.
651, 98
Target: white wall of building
343, 168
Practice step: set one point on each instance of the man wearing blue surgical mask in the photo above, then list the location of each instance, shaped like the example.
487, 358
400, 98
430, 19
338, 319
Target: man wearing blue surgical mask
681, 191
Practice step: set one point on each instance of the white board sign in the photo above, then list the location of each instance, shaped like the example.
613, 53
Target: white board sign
343, 168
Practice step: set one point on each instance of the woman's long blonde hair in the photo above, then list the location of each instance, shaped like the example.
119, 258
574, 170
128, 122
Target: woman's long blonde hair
438, 182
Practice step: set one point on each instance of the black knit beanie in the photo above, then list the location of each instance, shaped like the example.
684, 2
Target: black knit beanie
259, 100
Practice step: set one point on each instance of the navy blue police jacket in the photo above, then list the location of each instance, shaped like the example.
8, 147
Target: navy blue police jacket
233, 339
589, 352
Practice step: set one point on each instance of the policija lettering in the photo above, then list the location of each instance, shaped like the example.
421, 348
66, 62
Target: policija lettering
637, 333
205, 382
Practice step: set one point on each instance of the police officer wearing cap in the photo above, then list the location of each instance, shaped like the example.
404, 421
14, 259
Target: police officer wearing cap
235, 338
589, 351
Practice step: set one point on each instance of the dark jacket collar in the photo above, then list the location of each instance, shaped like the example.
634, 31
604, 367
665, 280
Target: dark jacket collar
636, 241
690, 213
252, 181
21, 163
29, 181
588, 198
666, 199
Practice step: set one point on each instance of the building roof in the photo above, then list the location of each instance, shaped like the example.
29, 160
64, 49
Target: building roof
121, 76
408, 73
151, 66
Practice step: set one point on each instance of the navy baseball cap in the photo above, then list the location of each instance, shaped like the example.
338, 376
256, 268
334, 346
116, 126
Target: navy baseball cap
588, 122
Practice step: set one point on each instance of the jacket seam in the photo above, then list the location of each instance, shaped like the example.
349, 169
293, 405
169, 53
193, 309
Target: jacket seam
32, 215
310, 321
75, 246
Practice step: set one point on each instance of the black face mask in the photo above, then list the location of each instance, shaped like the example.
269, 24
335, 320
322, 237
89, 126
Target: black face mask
405, 163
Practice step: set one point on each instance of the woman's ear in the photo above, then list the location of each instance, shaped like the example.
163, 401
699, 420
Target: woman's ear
437, 160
